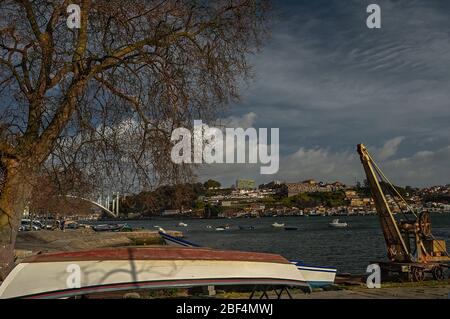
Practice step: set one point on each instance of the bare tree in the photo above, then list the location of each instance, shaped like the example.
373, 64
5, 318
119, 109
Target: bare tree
104, 98
50, 187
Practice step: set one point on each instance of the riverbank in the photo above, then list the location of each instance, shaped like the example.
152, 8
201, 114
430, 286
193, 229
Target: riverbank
425, 290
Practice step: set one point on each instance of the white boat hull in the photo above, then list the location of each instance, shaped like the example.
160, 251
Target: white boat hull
336, 224
344, 225
69, 274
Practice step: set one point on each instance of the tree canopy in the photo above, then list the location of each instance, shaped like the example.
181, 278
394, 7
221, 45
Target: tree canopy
211, 184
102, 99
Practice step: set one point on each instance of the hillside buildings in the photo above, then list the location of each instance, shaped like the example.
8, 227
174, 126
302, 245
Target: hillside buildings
311, 186
245, 184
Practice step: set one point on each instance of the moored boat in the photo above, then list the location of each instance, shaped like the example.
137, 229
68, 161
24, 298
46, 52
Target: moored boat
336, 224
278, 225
108, 227
246, 227
222, 228
175, 241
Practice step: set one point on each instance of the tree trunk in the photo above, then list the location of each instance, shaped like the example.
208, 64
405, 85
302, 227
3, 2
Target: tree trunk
14, 197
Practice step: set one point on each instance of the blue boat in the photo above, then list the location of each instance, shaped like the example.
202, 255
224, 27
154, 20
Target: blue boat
176, 241
316, 277
246, 227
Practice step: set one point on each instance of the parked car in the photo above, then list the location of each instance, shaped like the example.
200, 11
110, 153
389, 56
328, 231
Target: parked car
71, 225
27, 225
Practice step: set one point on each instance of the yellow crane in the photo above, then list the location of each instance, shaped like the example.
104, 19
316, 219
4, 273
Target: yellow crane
412, 250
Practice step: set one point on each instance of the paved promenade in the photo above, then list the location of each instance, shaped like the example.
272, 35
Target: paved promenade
420, 292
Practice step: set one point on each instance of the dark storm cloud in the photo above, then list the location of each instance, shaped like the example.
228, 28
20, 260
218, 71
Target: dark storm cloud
328, 82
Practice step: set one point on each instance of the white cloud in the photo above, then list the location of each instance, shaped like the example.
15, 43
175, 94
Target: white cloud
340, 87
244, 121
422, 168
418, 169
390, 148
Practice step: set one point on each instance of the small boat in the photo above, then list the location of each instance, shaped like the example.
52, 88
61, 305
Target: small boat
108, 227
209, 227
246, 227
222, 228
175, 241
278, 225
290, 228
336, 224
316, 277
182, 225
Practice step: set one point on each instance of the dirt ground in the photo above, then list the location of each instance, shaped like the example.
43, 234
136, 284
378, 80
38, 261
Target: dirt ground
30, 243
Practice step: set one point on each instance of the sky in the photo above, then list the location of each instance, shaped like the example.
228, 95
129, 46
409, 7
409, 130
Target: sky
328, 83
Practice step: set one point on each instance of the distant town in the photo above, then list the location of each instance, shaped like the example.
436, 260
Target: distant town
277, 198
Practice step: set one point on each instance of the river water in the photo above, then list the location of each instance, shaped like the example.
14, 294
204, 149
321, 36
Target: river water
315, 243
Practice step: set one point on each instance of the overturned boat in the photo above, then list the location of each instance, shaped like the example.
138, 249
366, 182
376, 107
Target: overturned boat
82, 273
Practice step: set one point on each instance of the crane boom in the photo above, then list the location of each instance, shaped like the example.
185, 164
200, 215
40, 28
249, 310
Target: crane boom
397, 248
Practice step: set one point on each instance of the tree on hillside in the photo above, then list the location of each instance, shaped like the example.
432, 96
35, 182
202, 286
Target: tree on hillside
211, 184
104, 97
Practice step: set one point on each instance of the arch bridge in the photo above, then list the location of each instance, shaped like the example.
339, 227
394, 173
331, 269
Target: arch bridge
103, 205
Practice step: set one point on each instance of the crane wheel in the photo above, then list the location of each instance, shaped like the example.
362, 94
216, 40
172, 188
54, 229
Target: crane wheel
425, 224
438, 273
418, 274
